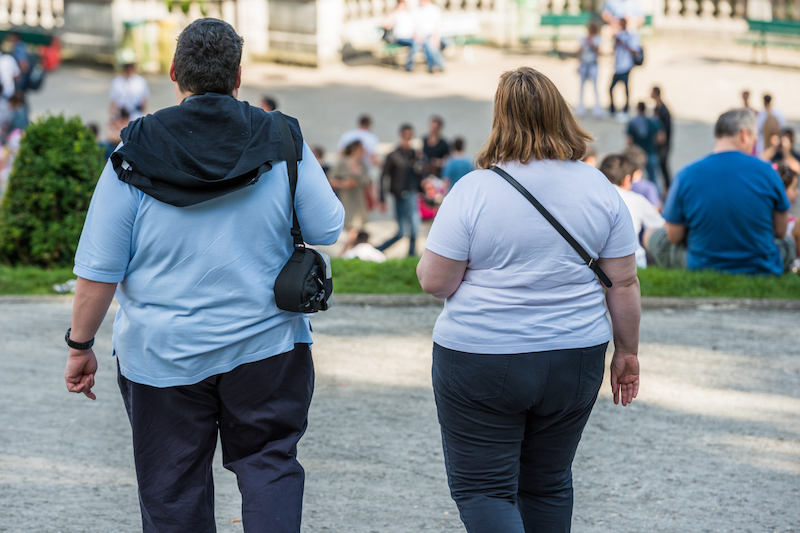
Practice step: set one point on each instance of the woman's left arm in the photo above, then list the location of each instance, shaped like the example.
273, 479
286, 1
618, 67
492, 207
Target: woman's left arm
439, 275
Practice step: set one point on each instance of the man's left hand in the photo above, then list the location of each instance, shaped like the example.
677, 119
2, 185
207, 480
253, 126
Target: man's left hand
79, 374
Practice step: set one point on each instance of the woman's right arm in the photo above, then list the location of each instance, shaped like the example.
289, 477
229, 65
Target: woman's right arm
624, 305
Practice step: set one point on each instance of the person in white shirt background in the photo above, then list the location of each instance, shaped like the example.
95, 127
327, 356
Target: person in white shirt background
762, 116
646, 219
129, 91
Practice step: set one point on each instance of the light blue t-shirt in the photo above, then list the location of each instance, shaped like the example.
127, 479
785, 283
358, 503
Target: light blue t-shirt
196, 283
525, 288
456, 168
726, 201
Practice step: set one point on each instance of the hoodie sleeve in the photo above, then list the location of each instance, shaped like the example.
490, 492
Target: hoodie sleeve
319, 211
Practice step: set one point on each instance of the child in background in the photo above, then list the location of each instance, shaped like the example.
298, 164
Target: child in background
364, 250
590, 49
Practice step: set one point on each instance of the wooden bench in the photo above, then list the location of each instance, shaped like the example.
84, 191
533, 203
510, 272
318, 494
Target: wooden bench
777, 33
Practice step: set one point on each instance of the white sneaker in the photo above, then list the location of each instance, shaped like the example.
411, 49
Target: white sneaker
580, 110
621, 117
597, 112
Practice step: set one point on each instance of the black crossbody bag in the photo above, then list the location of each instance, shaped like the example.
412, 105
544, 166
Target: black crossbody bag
591, 262
304, 285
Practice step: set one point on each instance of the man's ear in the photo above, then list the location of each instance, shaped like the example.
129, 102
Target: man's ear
239, 78
172, 71
626, 182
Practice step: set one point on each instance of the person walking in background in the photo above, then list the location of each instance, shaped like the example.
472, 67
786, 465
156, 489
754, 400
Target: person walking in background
626, 44
746, 100
434, 148
665, 142
520, 347
458, 163
401, 177
646, 133
19, 50
350, 181
129, 92
9, 75
370, 143
190, 225
727, 211
589, 50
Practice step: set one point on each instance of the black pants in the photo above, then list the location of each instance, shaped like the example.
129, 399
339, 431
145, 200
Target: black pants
510, 428
663, 154
616, 79
260, 410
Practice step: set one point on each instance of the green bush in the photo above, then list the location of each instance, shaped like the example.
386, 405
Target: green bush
48, 193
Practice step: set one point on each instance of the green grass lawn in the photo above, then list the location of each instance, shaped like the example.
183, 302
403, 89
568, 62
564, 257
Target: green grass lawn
399, 277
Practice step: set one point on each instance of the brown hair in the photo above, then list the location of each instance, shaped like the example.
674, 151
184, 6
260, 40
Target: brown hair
531, 121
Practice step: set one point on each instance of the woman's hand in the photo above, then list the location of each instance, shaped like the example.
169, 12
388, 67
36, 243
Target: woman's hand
624, 377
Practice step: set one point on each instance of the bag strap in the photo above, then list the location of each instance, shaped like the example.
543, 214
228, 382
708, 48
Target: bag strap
291, 167
591, 262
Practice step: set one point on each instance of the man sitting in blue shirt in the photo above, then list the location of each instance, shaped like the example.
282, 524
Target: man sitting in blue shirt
727, 211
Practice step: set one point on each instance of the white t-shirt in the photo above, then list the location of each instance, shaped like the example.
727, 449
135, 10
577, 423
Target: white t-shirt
761, 118
644, 215
525, 288
623, 59
403, 25
129, 94
365, 252
427, 20
8, 71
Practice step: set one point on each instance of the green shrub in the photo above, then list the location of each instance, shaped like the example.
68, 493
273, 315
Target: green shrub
48, 193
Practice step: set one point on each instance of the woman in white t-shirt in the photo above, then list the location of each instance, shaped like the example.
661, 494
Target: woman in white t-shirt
519, 349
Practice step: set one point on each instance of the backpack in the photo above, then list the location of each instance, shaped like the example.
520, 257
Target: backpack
638, 57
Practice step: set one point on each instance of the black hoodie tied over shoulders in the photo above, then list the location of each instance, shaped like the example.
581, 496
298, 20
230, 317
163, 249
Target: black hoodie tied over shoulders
208, 146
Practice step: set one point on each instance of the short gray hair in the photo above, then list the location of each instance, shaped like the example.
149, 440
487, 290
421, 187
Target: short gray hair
730, 123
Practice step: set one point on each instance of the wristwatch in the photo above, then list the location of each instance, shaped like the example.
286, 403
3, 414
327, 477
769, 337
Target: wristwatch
78, 345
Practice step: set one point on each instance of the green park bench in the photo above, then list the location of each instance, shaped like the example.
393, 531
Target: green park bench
776, 33
29, 36
552, 23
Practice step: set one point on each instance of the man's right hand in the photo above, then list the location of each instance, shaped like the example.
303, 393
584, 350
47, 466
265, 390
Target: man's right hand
80, 371
624, 377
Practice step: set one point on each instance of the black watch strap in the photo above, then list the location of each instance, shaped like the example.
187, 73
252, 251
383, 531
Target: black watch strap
78, 345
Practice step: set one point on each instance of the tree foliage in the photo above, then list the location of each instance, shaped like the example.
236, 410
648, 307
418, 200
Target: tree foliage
48, 193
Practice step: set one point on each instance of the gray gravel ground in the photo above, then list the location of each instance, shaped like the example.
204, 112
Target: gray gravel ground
711, 445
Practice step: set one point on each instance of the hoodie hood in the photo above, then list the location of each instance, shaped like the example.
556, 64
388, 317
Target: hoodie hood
208, 146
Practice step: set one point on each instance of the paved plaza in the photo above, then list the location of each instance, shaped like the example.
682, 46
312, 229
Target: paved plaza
711, 445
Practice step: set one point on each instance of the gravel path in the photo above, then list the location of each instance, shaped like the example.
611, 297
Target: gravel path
711, 445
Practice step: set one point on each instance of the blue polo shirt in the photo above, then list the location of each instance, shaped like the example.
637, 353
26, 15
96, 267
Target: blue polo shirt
726, 201
195, 284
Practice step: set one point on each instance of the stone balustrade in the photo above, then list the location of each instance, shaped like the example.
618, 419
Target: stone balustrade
47, 14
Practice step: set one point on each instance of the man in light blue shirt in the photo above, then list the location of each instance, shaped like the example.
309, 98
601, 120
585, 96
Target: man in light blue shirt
190, 224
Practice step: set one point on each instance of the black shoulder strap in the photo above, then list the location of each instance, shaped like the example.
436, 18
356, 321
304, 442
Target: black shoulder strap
590, 261
291, 167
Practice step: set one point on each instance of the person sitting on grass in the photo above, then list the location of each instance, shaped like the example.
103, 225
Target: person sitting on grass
727, 211
646, 219
364, 250
789, 178
638, 158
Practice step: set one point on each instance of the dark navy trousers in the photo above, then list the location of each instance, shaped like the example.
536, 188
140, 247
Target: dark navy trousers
510, 428
260, 411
